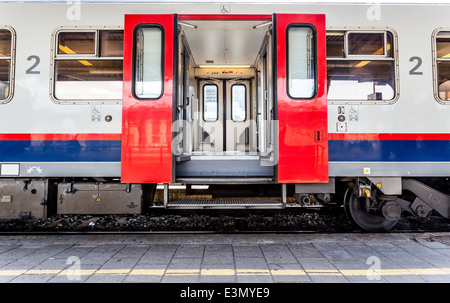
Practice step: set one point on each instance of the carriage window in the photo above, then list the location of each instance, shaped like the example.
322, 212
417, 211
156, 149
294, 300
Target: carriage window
148, 63
443, 65
301, 62
5, 65
238, 102
335, 44
88, 65
365, 43
76, 43
366, 72
210, 103
111, 43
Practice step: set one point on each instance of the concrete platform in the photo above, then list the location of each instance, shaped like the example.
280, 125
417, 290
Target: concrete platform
219, 258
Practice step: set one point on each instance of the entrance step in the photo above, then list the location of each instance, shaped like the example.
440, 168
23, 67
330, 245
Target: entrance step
239, 203
227, 181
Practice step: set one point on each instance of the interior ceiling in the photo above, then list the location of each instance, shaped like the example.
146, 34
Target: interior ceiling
225, 42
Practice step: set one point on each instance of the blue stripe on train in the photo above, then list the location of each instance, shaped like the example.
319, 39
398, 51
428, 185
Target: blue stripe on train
339, 150
60, 151
389, 150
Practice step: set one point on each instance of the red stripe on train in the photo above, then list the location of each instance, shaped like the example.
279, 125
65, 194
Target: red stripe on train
60, 137
376, 137
224, 17
114, 137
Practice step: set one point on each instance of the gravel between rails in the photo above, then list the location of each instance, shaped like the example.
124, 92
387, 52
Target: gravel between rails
275, 221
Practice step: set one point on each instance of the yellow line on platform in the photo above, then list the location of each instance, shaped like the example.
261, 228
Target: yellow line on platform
396, 272
182, 272
218, 272
112, 272
231, 272
288, 272
430, 271
43, 272
323, 272
81, 272
252, 272
147, 272
12, 272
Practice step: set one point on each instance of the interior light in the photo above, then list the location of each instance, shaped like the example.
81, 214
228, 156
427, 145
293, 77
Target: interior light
68, 50
380, 51
362, 63
224, 66
335, 34
84, 62
2, 55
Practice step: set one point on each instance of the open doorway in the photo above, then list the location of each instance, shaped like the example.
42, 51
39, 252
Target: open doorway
225, 106
225, 99
184, 69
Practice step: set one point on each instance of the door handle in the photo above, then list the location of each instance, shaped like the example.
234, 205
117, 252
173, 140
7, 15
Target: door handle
318, 136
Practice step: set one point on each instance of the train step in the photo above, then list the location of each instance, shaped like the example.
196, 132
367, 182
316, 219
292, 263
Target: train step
226, 203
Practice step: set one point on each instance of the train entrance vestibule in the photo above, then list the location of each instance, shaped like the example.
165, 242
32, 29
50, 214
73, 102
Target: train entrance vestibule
216, 98
227, 123
225, 106
224, 95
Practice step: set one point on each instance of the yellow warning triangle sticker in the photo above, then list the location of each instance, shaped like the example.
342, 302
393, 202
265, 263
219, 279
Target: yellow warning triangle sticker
98, 199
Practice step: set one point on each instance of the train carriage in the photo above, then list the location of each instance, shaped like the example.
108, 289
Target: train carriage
100, 101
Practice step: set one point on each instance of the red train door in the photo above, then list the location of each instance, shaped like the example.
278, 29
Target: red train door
301, 98
150, 47
147, 99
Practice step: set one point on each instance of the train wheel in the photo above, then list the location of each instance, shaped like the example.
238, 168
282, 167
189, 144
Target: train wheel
356, 211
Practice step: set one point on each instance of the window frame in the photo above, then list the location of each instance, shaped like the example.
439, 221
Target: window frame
373, 57
245, 101
394, 57
12, 66
314, 41
81, 56
203, 102
435, 65
70, 57
133, 72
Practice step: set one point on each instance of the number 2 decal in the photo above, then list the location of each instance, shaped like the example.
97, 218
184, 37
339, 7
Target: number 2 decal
37, 60
414, 71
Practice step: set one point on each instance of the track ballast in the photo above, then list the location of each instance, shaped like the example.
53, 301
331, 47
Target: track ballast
161, 220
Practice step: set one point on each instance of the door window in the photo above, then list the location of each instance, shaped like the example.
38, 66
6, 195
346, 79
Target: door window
210, 103
301, 62
148, 63
238, 102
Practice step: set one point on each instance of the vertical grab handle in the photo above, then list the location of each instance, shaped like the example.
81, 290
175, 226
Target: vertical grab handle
318, 135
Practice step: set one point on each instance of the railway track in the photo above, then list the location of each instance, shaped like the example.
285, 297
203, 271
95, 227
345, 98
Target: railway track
290, 220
